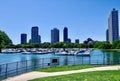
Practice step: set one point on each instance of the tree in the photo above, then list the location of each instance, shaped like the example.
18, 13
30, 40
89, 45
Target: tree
105, 45
116, 44
4, 39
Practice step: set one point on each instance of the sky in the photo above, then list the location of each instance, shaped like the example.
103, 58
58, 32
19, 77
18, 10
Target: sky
84, 18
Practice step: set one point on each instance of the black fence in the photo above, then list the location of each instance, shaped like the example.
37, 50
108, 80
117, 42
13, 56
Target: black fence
16, 68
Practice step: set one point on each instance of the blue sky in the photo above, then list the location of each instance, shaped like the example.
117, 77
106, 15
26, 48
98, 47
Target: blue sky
84, 18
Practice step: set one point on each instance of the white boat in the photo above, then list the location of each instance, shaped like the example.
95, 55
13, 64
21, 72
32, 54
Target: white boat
26, 52
61, 53
86, 52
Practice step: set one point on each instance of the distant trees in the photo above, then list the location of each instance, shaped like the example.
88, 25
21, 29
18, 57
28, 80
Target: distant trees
102, 45
5, 42
95, 44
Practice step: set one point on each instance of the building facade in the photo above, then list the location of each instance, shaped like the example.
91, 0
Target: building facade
69, 40
107, 35
35, 37
77, 41
113, 26
54, 35
23, 38
65, 34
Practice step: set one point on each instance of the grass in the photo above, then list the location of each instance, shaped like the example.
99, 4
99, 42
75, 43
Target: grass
113, 75
65, 68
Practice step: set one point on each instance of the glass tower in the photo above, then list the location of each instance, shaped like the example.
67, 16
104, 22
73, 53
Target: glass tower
65, 34
107, 35
113, 26
54, 35
23, 38
77, 41
35, 37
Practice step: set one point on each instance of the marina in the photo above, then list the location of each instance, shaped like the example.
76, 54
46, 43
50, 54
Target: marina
57, 51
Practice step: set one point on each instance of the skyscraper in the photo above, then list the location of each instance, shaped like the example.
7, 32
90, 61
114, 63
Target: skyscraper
35, 37
65, 34
77, 41
69, 40
23, 38
54, 35
107, 35
113, 26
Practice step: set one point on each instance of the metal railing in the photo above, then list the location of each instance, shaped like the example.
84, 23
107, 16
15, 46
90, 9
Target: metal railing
16, 68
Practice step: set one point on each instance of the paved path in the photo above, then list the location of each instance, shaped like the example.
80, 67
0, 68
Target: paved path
33, 75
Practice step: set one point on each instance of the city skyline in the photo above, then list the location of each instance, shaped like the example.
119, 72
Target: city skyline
55, 36
84, 18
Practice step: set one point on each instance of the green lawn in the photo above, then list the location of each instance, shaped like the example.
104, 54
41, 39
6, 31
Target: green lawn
65, 68
113, 75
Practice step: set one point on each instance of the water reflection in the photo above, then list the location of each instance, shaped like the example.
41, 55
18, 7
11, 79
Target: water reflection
96, 57
112, 57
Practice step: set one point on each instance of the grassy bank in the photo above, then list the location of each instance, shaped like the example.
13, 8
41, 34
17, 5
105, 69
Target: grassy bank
113, 75
65, 68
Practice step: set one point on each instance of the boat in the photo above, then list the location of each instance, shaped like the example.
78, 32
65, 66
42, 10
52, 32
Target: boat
26, 52
61, 53
86, 52
9, 51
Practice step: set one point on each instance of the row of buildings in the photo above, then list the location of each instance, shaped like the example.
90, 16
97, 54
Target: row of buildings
35, 37
112, 33
55, 36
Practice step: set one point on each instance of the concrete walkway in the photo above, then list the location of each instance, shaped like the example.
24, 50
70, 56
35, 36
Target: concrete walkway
33, 75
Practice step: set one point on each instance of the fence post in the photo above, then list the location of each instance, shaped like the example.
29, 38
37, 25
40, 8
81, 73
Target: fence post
82, 59
17, 68
97, 62
51, 62
26, 65
43, 63
6, 71
34, 64
104, 59
59, 61
89, 60
0, 69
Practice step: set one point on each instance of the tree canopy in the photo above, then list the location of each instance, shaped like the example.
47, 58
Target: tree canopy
4, 39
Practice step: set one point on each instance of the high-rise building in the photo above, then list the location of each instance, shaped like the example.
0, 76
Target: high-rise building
113, 26
23, 38
77, 41
65, 34
35, 37
69, 40
39, 38
107, 35
54, 35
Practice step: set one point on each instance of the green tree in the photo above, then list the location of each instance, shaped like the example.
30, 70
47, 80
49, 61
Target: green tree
4, 39
116, 44
45, 45
105, 45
